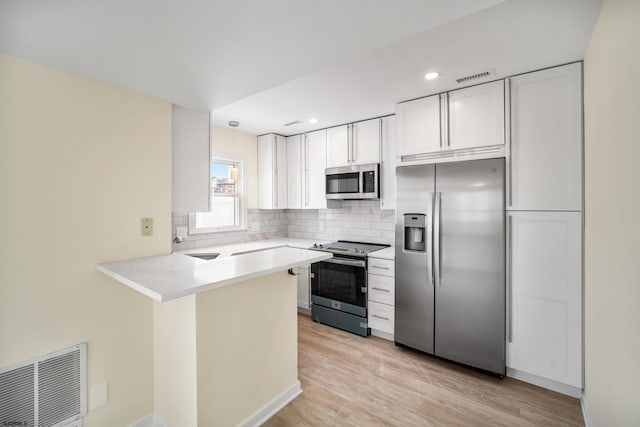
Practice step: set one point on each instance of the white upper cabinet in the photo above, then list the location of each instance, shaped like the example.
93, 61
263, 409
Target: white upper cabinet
272, 172
315, 147
338, 146
467, 122
191, 146
418, 126
365, 142
354, 144
544, 263
388, 163
475, 116
545, 172
295, 172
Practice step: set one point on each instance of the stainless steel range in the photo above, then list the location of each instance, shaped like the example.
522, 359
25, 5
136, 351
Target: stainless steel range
339, 286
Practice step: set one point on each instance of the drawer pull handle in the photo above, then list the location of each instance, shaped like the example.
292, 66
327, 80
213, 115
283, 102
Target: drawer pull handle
380, 289
381, 268
380, 317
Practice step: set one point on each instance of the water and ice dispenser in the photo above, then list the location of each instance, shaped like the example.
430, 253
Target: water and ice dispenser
415, 232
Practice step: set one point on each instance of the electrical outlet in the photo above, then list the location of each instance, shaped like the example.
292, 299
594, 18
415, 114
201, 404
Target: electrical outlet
99, 395
182, 232
147, 226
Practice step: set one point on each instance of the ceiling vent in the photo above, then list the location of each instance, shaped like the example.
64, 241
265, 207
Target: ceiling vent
294, 123
481, 75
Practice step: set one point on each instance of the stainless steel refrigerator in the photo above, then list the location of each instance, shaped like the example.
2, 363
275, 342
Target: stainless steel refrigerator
450, 261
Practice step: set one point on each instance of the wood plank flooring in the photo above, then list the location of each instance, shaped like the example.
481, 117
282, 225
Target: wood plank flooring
348, 380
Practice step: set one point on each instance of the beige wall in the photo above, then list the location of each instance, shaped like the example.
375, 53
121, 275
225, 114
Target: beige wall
246, 357
80, 163
174, 364
246, 146
216, 365
612, 212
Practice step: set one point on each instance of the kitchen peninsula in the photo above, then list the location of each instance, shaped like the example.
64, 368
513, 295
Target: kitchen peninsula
225, 333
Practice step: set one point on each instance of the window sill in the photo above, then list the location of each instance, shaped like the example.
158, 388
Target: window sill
216, 230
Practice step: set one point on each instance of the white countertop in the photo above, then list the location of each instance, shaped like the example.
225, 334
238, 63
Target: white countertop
166, 277
386, 253
258, 245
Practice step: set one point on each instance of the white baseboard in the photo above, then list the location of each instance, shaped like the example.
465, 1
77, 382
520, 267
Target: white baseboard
149, 420
585, 411
381, 334
256, 419
267, 411
545, 383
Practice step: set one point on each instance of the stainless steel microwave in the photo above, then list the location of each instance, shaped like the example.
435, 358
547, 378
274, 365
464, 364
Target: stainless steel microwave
353, 182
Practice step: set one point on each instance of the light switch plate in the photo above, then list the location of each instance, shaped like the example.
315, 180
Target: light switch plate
99, 395
147, 226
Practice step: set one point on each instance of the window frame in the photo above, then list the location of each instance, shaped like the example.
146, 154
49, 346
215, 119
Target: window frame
240, 196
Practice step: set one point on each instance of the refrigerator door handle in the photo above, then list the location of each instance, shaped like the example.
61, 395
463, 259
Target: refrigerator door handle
510, 277
429, 227
436, 241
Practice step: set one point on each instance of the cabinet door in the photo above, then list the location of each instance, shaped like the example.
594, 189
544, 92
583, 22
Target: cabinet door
338, 147
295, 183
281, 173
419, 126
381, 289
303, 287
388, 164
315, 164
476, 116
365, 142
544, 259
545, 171
191, 158
381, 317
266, 162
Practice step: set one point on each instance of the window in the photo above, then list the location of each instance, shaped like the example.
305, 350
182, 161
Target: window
227, 199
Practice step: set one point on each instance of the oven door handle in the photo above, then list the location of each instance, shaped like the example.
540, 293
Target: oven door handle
342, 261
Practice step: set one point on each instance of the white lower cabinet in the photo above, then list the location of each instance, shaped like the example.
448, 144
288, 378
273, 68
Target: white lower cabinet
381, 296
544, 278
381, 317
303, 287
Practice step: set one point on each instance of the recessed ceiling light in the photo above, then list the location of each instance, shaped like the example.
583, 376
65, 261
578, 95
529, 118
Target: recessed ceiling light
313, 120
432, 75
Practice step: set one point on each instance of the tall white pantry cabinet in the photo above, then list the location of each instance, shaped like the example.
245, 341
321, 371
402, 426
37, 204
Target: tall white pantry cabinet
544, 228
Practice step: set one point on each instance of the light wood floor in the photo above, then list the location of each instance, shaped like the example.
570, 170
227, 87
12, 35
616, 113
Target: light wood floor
348, 380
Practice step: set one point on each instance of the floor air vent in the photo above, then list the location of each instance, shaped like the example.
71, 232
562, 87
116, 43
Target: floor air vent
475, 76
48, 391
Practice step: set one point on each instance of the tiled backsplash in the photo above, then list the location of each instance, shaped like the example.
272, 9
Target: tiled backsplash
360, 221
356, 220
262, 224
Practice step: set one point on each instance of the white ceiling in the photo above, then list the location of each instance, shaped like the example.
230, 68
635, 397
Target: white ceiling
266, 63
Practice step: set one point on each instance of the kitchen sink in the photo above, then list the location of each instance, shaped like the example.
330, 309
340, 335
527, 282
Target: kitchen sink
206, 256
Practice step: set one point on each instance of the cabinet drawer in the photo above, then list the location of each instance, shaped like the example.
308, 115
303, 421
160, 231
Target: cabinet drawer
384, 267
381, 317
381, 289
